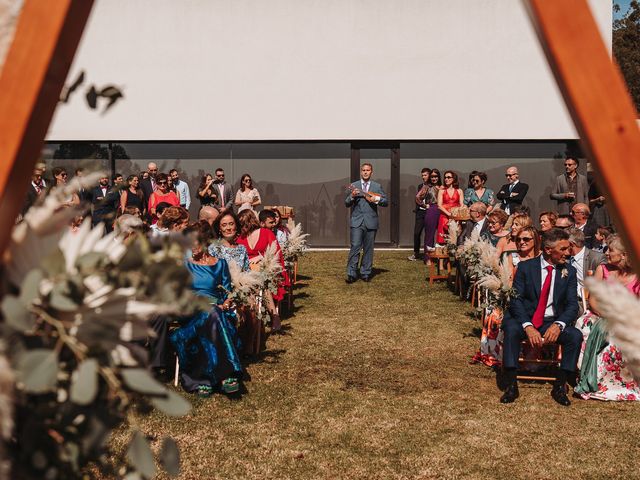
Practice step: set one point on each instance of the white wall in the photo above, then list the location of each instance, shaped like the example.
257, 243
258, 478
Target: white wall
317, 69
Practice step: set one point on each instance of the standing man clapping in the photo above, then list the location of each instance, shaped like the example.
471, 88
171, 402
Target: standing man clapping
364, 199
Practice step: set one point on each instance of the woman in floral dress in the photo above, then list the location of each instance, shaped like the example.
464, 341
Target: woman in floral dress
603, 372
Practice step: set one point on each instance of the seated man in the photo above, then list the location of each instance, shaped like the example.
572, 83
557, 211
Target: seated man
478, 223
543, 311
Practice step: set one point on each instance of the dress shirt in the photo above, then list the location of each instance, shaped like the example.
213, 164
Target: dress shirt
182, 189
578, 262
513, 185
548, 311
365, 186
221, 188
478, 225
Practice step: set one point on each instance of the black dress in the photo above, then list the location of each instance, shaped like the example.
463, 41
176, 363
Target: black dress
135, 200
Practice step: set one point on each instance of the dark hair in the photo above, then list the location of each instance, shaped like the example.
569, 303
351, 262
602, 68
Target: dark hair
218, 220
115, 175
79, 170
172, 170
203, 182
471, 175
482, 175
172, 216
522, 209
161, 207
536, 238
455, 178
574, 158
55, 172
202, 232
365, 164
435, 170
264, 214
554, 235
605, 231
245, 175
499, 215
248, 222
567, 217
552, 216
219, 170
135, 211
425, 170
162, 177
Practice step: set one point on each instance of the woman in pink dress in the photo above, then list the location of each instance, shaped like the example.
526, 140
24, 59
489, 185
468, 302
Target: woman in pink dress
449, 197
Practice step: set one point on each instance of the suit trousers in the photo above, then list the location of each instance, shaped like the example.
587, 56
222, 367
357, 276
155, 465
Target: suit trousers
570, 339
362, 238
417, 231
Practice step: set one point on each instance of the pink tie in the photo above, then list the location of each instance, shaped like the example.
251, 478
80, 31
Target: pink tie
538, 315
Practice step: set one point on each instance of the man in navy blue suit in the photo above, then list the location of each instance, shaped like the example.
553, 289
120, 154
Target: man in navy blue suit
364, 199
544, 311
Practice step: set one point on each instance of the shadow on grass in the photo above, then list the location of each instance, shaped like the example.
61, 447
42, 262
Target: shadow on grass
476, 332
303, 277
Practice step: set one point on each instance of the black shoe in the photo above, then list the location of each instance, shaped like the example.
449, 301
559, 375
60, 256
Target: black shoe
366, 279
350, 279
510, 394
559, 394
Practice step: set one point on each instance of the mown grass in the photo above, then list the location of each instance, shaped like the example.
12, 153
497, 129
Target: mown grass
374, 381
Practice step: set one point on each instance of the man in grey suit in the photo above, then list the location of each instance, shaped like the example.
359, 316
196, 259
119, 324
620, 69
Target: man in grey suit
364, 199
223, 191
583, 259
570, 188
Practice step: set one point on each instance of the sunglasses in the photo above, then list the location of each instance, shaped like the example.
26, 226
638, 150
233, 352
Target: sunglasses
524, 239
163, 182
569, 164
509, 175
247, 180
448, 176
219, 174
434, 176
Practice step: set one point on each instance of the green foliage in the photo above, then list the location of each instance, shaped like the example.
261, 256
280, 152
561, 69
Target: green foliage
626, 48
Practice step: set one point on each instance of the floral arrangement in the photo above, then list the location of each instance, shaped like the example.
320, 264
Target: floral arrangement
75, 305
296, 244
498, 286
452, 238
246, 285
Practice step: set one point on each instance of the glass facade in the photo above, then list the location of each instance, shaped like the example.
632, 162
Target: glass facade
313, 177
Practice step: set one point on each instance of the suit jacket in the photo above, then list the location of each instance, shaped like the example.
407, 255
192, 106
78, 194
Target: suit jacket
561, 187
104, 206
591, 259
514, 198
227, 201
589, 230
147, 189
528, 283
32, 198
362, 211
468, 228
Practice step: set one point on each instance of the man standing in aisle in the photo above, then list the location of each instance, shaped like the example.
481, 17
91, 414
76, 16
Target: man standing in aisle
364, 199
224, 200
570, 188
182, 189
512, 194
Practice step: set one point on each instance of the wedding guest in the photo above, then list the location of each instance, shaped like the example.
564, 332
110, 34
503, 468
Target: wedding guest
60, 180
148, 182
281, 231
132, 196
583, 259
597, 201
104, 201
603, 371
507, 244
478, 222
256, 240
547, 220
161, 195
83, 193
429, 196
479, 193
580, 213
512, 194
247, 196
267, 219
601, 236
207, 343
541, 317
144, 175
171, 219
497, 221
450, 196
208, 213
565, 221
117, 179
206, 191
181, 187
570, 188
36, 190
420, 208
527, 247
224, 193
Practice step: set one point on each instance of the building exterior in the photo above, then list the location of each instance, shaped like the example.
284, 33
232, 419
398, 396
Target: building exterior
297, 93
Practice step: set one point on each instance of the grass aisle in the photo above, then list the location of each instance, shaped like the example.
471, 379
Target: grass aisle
374, 381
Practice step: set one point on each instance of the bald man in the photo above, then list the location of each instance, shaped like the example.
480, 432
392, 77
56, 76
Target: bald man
512, 194
209, 214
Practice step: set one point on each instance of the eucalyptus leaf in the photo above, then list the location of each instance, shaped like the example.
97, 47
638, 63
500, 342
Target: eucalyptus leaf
30, 288
38, 370
140, 456
54, 264
61, 300
16, 314
84, 382
170, 456
173, 404
141, 381
90, 261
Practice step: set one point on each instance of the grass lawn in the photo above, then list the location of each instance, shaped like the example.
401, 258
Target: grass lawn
374, 381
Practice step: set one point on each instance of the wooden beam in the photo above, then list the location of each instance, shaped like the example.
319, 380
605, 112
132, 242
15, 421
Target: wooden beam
36, 66
597, 98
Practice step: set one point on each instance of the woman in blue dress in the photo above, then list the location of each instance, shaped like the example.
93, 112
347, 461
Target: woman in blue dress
207, 343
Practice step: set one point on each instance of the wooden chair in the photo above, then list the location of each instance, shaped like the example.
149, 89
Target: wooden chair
439, 267
548, 356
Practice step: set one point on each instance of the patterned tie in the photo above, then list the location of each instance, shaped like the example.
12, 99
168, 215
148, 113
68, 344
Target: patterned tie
511, 187
365, 186
538, 315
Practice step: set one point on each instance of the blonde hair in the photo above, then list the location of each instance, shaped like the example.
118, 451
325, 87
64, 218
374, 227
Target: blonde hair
614, 242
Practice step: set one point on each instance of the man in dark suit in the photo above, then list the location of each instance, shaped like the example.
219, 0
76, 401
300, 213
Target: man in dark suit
512, 194
364, 199
148, 185
36, 189
224, 192
580, 213
478, 222
544, 311
420, 210
105, 203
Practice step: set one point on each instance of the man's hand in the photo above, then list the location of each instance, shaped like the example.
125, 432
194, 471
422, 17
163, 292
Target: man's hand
552, 333
355, 192
535, 339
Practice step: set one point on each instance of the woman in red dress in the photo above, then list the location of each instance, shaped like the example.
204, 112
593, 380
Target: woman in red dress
449, 197
256, 240
161, 195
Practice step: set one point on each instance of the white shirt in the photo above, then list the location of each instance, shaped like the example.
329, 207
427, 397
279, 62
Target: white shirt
183, 193
578, 263
548, 311
478, 226
365, 186
221, 187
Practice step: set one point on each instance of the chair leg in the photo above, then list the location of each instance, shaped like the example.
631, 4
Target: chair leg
176, 375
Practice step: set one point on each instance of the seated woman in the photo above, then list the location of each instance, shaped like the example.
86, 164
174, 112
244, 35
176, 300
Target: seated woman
256, 240
478, 192
250, 328
171, 219
207, 343
507, 244
527, 247
281, 231
547, 221
603, 374
497, 220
